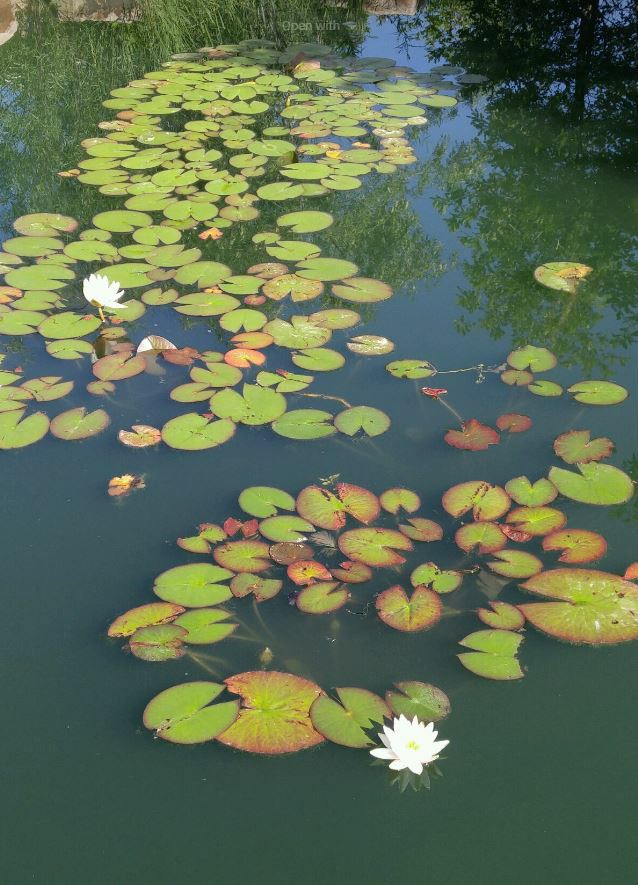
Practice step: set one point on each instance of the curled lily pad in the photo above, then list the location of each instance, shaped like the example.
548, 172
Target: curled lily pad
79, 424
598, 393
193, 432
243, 556
263, 501
141, 436
275, 713
346, 721
185, 714
428, 574
144, 616
195, 585
531, 494
563, 276
515, 564
487, 502
322, 598
376, 547
577, 446
262, 589
596, 484
536, 359
363, 419
394, 500
473, 436
427, 702
328, 510
305, 424
577, 545
494, 654
162, 642
17, 432
503, 616
590, 607
410, 614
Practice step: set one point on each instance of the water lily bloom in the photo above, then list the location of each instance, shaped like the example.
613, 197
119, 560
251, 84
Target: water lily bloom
409, 745
101, 293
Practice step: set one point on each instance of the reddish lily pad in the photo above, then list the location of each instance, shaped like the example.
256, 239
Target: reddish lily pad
427, 702
261, 588
410, 614
376, 547
590, 607
483, 537
307, 571
344, 723
517, 378
243, 556
141, 436
504, 616
328, 510
473, 437
144, 616
287, 552
352, 573
322, 598
394, 500
578, 545
275, 713
577, 446
513, 422
537, 521
185, 714
487, 502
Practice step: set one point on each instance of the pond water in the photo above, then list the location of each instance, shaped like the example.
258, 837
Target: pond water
538, 777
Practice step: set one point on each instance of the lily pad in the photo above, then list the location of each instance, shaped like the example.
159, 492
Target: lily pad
362, 419
545, 388
346, 722
17, 432
243, 556
531, 494
376, 547
263, 501
305, 424
118, 366
326, 269
428, 574
394, 500
254, 406
512, 422
261, 588
515, 564
536, 359
427, 702
577, 446
420, 529
412, 369
275, 713
193, 432
410, 614
473, 437
322, 598
185, 714
598, 393
195, 585
205, 626
285, 528
79, 424
596, 484
328, 510
487, 502
362, 290
578, 545
48, 388
45, 224
306, 221
590, 607
564, 276
163, 642
481, 537
494, 654
536, 521
144, 616
503, 616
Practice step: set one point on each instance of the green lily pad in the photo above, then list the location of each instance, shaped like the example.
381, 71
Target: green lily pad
596, 484
68, 325
185, 714
40, 277
318, 359
162, 642
370, 345
261, 588
322, 598
362, 419
577, 446
45, 224
193, 432
20, 322
129, 275
344, 723
48, 388
305, 222
598, 393
410, 614
285, 528
255, 405
280, 190
17, 432
205, 626
305, 424
487, 502
205, 304
122, 220
537, 494
481, 537
78, 423
275, 713
536, 521
195, 585
515, 564
326, 269
376, 547
362, 290
292, 250
503, 616
243, 556
564, 276
295, 286
544, 388
118, 366
590, 607
144, 616
328, 510
286, 382
299, 333
494, 655
394, 500
243, 320
335, 318
264, 501
202, 274
536, 359
428, 574
32, 247
427, 702
412, 369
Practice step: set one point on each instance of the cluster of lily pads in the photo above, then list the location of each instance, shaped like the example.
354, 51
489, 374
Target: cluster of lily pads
185, 145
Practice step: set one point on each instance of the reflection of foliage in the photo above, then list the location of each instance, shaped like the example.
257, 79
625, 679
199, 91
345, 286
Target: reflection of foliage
541, 179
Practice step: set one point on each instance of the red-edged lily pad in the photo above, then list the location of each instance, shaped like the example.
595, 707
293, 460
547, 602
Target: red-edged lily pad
512, 422
352, 573
376, 547
243, 556
428, 574
473, 437
577, 446
328, 510
322, 598
410, 614
515, 564
487, 502
503, 616
305, 572
537, 521
394, 500
144, 616
262, 589
420, 529
482, 537
578, 545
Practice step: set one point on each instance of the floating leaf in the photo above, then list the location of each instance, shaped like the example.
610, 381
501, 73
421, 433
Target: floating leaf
578, 545
427, 702
322, 598
595, 607
45, 224
305, 222
419, 529
79, 424
303, 572
185, 714
394, 500
305, 424
328, 510
370, 345
141, 436
364, 419
410, 614
118, 366
344, 723
536, 521
376, 547
68, 325
275, 713
123, 485
598, 393
561, 275
428, 574
503, 616
487, 502
194, 432
243, 556
536, 359
483, 537
335, 318
531, 495
205, 626
263, 501
261, 588
362, 290
494, 655
144, 616
412, 369
577, 446
48, 388
158, 643
473, 437
254, 406
519, 378
326, 269
351, 572
545, 388
285, 528
195, 585
515, 564
514, 423
596, 484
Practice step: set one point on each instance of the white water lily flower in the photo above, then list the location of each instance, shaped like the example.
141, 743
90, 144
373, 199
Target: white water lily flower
409, 745
101, 293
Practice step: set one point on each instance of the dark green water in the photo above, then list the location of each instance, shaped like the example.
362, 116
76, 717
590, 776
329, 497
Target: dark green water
539, 777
